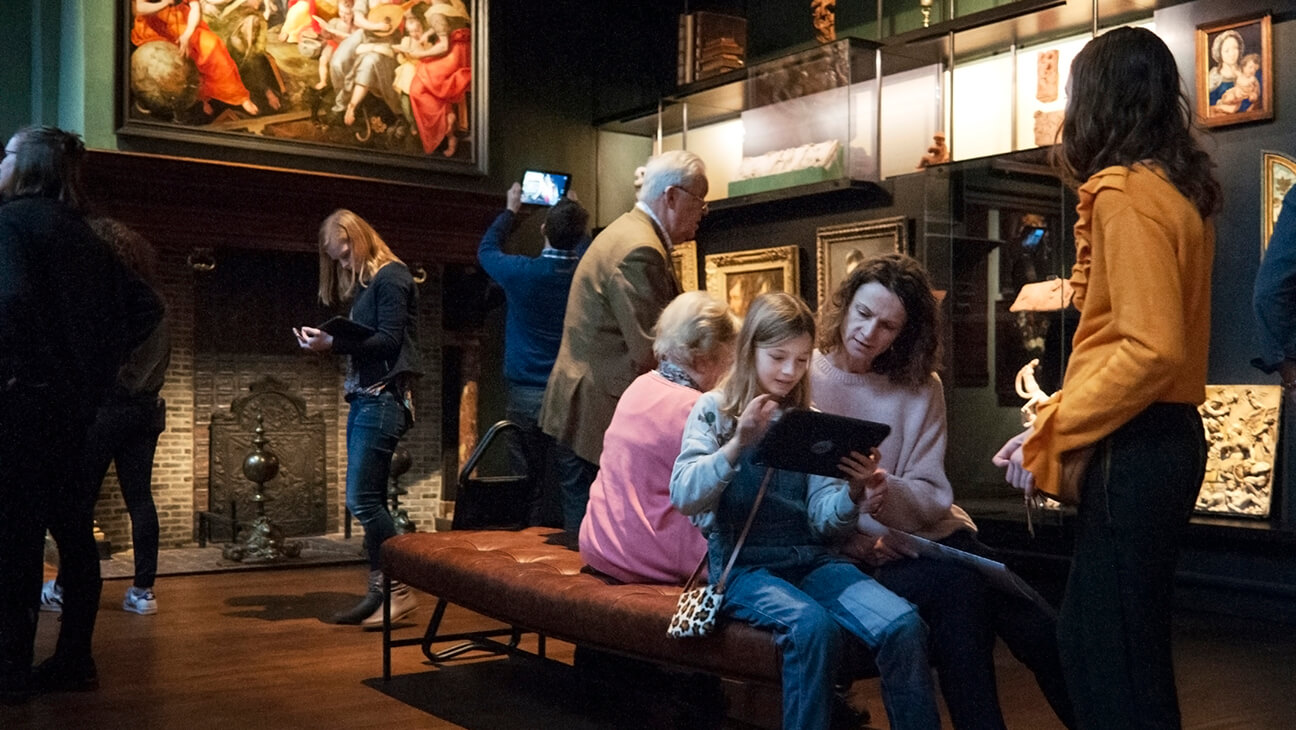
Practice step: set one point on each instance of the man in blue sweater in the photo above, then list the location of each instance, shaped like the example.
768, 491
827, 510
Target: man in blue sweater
536, 289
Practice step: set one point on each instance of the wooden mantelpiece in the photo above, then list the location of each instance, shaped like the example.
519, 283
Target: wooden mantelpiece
187, 203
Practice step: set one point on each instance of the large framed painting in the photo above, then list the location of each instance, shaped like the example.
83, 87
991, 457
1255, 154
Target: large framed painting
1279, 174
841, 248
371, 81
1241, 423
1235, 71
738, 278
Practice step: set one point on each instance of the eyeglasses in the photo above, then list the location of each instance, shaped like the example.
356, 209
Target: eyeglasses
8, 152
698, 198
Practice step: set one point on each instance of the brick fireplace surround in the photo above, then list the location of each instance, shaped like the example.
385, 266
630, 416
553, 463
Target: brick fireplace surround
241, 213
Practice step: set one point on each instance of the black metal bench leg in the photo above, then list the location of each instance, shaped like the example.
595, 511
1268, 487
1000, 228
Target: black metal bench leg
387, 640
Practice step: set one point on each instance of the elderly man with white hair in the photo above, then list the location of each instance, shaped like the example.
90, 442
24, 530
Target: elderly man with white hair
620, 287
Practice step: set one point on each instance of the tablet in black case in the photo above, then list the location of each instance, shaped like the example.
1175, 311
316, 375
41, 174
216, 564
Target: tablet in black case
347, 329
813, 442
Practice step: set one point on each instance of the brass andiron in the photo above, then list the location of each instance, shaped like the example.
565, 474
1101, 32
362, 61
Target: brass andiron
926, 11
400, 464
266, 542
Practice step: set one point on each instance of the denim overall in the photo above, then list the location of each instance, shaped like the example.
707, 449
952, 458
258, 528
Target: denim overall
787, 581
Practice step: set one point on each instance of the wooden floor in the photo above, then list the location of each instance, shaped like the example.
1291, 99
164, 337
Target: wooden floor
249, 649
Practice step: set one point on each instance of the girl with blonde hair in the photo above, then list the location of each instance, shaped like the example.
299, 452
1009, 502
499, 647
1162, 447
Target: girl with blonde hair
355, 263
786, 578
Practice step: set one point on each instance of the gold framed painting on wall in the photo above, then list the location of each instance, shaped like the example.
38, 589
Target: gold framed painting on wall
303, 79
738, 278
1278, 173
684, 261
1235, 71
840, 248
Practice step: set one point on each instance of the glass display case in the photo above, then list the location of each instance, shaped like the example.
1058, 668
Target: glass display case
996, 235
810, 117
807, 118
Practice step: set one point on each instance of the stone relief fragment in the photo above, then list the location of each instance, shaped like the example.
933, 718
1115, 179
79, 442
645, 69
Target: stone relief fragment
1241, 423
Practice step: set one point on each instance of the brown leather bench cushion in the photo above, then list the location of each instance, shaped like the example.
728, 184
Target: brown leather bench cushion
530, 580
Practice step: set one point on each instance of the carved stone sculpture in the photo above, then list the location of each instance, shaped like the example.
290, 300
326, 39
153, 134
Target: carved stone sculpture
824, 15
1028, 388
937, 153
1046, 76
1241, 423
1048, 127
816, 154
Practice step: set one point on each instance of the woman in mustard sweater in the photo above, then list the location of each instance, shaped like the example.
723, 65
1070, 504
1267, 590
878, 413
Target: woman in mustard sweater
1124, 428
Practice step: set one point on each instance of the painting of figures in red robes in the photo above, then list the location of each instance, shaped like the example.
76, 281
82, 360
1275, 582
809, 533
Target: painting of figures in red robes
375, 81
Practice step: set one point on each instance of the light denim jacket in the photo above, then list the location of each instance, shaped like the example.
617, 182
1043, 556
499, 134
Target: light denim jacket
702, 472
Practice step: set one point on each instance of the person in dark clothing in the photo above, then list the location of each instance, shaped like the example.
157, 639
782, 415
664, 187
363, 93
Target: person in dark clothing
536, 289
70, 312
126, 430
355, 262
1274, 299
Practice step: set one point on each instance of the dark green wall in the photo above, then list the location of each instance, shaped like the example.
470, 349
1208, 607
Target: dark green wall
1237, 152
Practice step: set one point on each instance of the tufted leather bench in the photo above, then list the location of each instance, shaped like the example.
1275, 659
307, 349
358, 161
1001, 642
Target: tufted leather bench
532, 581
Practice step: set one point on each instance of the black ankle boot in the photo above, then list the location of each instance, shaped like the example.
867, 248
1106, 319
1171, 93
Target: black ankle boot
364, 609
15, 683
66, 673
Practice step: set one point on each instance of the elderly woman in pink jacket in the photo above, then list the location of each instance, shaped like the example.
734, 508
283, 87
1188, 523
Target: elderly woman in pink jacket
630, 531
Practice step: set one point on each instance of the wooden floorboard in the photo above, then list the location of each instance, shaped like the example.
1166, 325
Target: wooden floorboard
250, 649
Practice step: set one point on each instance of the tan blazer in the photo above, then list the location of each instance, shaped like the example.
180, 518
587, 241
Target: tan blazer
621, 285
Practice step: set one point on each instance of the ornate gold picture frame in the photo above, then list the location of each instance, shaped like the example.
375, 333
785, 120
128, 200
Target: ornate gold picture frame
1278, 172
840, 248
738, 278
1235, 71
684, 260
291, 81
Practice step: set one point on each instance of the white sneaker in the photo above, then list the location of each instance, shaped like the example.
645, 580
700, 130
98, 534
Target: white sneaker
403, 603
140, 600
51, 597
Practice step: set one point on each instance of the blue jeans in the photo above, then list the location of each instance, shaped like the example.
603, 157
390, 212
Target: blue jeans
528, 451
375, 424
575, 475
807, 604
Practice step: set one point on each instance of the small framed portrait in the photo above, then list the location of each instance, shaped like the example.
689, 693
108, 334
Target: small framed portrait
1279, 173
738, 278
841, 248
1235, 71
684, 261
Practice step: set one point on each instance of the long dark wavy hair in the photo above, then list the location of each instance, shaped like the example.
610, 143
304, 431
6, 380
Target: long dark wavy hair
1127, 105
915, 354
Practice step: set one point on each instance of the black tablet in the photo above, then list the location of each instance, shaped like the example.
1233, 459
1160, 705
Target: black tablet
347, 329
813, 442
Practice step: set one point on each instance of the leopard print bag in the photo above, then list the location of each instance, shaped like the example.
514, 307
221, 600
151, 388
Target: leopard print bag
698, 608
696, 613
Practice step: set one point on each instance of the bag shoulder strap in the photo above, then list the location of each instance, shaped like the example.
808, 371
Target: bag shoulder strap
751, 516
692, 581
